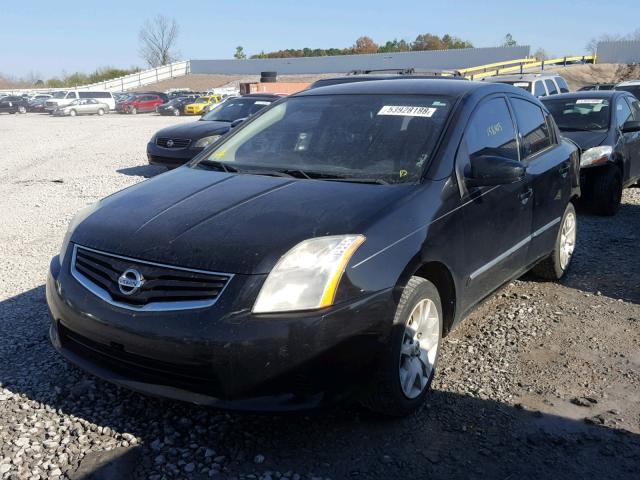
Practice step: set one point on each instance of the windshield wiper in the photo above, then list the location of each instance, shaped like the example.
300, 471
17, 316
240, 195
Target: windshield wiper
220, 166
578, 129
377, 181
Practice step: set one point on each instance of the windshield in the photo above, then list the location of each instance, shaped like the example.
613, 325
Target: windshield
202, 100
633, 89
580, 113
235, 109
59, 95
367, 138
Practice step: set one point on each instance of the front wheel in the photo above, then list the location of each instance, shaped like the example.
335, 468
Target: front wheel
555, 265
607, 191
408, 365
176, 112
100, 111
22, 109
134, 110
73, 113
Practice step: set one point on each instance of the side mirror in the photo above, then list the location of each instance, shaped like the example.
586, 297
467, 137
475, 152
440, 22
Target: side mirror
237, 122
490, 170
631, 127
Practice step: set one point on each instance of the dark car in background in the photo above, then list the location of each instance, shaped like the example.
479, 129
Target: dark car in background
597, 86
320, 250
175, 106
176, 145
14, 104
631, 86
605, 124
37, 105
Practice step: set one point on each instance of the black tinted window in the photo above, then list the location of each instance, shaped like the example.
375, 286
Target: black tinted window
633, 89
539, 90
491, 132
533, 127
564, 88
635, 108
551, 87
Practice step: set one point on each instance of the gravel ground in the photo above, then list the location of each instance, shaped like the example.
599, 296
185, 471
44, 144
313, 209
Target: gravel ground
542, 381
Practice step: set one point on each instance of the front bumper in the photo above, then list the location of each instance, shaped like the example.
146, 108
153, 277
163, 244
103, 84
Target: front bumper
170, 157
223, 355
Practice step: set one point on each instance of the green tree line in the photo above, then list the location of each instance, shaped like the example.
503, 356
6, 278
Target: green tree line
78, 78
364, 44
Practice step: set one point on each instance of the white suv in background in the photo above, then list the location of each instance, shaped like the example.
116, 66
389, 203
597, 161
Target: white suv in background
537, 84
62, 99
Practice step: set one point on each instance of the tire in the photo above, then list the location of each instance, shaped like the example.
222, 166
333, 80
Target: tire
556, 265
176, 112
22, 109
388, 396
100, 112
133, 111
72, 113
607, 191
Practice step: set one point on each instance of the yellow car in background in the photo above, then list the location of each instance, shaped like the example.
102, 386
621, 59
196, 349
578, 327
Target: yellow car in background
197, 107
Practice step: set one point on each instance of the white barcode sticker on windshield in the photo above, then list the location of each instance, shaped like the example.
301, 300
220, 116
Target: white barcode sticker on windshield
407, 111
261, 102
588, 100
521, 84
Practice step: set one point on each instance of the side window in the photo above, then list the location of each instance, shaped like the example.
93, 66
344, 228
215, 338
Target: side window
623, 112
84, 94
564, 88
635, 108
533, 127
538, 89
71, 95
551, 87
491, 131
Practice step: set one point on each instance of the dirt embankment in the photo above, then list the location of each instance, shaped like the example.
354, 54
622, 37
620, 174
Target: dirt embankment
580, 75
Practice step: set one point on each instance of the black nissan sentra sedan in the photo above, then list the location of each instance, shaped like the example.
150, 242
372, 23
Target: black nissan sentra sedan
606, 127
321, 250
176, 145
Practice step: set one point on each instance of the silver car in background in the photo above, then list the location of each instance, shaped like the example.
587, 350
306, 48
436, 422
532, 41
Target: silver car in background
82, 106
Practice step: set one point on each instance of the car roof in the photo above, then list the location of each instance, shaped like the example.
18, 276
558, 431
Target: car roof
596, 94
264, 96
527, 77
408, 86
371, 77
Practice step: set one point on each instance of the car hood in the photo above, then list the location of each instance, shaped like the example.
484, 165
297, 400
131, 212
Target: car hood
197, 129
586, 140
228, 222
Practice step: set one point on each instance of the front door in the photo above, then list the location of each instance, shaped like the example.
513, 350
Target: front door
497, 219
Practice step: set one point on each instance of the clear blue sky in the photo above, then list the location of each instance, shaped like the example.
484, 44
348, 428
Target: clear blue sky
48, 37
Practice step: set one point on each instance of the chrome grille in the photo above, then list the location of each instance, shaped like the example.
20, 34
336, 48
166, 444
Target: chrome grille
164, 287
172, 142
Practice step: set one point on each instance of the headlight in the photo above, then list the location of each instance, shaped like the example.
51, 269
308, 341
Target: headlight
307, 276
75, 221
206, 141
595, 156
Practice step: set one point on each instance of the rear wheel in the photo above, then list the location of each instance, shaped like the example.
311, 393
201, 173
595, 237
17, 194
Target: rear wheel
407, 368
133, 110
555, 265
176, 112
22, 109
72, 113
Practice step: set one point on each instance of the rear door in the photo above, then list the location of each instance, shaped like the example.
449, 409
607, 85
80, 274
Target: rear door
634, 139
548, 168
497, 219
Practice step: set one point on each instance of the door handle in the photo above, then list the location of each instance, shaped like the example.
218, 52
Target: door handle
564, 169
526, 195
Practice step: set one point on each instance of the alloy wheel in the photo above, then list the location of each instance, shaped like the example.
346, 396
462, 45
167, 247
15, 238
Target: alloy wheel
419, 348
567, 240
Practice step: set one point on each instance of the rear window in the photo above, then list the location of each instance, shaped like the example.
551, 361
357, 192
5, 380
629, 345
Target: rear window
580, 114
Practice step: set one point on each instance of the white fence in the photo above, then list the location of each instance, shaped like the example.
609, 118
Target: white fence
134, 80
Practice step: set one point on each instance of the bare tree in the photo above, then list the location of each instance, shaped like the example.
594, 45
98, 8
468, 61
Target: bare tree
158, 37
